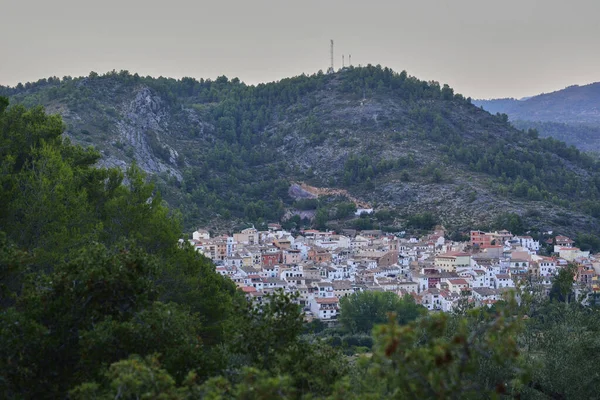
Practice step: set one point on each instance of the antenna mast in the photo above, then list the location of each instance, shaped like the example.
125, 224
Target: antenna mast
343, 61
331, 70
349, 60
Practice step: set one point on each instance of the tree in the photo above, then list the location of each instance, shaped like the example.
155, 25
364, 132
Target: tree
13, 267
511, 222
144, 378
560, 341
136, 212
267, 336
447, 92
321, 218
189, 279
266, 330
49, 211
587, 242
67, 303
361, 311
345, 209
440, 357
562, 284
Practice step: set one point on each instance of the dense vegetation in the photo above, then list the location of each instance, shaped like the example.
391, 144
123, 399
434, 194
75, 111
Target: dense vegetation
99, 301
90, 266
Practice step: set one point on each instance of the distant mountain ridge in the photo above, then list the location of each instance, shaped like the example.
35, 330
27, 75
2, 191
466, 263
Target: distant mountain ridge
571, 114
574, 104
222, 150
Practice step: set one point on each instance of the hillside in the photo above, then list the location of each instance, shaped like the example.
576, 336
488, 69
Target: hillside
225, 151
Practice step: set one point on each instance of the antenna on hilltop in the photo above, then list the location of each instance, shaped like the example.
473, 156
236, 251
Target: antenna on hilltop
343, 61
331, 70
349, 60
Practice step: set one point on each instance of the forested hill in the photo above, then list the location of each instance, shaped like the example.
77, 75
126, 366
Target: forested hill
220, 150
571, 114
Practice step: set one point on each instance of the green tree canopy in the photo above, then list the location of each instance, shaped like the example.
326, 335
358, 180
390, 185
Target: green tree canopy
363, 310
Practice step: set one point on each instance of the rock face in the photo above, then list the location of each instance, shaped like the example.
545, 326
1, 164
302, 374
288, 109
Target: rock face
146, 118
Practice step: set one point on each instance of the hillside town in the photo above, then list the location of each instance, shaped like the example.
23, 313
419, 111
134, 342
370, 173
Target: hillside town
441, 275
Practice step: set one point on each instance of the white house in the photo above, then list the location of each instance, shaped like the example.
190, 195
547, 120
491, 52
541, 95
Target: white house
431, 299
201, 234
503, 281
547, 266
528, 242
324, 308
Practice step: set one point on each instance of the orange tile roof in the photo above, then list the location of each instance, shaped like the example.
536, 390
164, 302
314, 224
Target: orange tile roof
327, 300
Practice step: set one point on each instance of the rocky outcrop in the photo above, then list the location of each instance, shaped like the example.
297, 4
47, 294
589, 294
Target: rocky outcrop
144, 116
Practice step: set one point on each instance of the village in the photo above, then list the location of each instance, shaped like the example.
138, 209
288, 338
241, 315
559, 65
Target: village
441, 275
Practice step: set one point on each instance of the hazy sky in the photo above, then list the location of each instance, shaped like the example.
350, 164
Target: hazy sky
481, 48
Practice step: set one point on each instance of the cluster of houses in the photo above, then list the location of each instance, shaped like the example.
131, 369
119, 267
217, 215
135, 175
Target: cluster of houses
322, 267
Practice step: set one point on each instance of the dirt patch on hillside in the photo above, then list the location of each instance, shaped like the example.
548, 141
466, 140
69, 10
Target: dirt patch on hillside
301, 190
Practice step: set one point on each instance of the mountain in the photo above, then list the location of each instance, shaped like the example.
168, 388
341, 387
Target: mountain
574, 104
571, 114
224, 152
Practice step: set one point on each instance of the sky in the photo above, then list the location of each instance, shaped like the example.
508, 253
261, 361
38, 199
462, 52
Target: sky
482, 48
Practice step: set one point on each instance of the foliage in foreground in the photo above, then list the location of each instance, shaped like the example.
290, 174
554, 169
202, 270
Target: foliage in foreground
435, 357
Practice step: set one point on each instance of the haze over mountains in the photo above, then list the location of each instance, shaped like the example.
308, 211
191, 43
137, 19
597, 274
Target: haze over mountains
571, 114
228, 151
